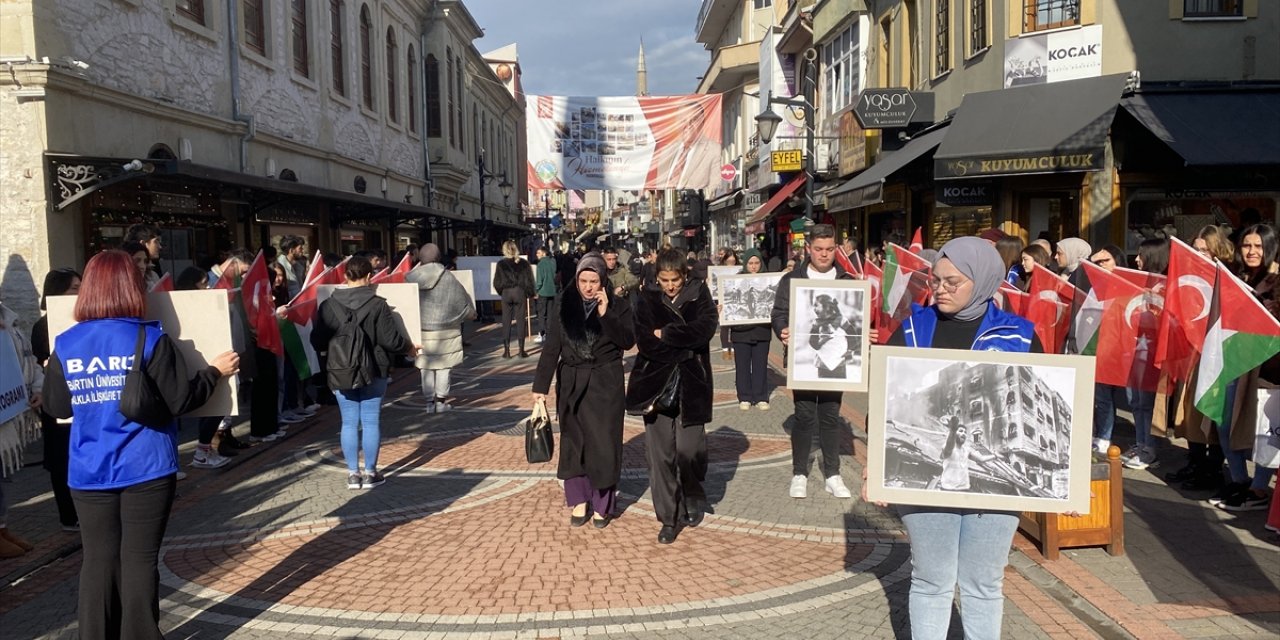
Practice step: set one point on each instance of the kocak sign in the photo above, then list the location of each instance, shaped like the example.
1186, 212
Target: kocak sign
965, 193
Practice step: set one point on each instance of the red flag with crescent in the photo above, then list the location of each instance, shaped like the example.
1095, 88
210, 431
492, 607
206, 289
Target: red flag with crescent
1049, 308
1187, 303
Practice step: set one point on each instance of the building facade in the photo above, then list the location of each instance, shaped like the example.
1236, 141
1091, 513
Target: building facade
248, 120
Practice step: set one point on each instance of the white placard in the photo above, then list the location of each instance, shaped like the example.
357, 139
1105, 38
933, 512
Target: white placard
468, 282
402, 298
481, 268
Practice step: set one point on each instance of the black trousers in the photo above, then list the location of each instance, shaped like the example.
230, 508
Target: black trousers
544, 311
207, 427
751, 368
725, 343
121, 530
264, 418
57, 450
514, 309
820, 411
677, 466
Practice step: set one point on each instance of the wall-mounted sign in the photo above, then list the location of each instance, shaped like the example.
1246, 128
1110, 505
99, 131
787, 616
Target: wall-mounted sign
1053, 57
1018, 165
965, 193
728, 172
892, 108
853, 145
786, 160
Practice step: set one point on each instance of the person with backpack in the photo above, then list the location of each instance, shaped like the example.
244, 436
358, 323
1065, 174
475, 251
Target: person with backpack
358, 335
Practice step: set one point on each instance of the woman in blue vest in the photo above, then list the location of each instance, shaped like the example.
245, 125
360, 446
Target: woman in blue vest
961, 546
122, 474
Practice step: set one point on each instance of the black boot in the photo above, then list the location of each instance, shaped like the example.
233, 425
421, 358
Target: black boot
506, 350
522, 351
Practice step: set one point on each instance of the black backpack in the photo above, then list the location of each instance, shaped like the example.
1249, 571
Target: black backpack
351, 361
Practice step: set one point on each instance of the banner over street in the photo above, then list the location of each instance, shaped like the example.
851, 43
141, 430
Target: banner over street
631, 143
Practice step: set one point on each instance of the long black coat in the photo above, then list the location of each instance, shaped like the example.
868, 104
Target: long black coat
584, 353
688, 323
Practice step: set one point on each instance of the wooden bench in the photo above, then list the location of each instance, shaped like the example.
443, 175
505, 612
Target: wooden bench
1104, 524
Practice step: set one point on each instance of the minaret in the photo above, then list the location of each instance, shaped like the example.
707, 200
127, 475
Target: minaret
642, 76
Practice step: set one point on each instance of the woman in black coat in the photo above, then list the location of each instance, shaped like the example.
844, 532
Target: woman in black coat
513, 280
588, 330
674, 326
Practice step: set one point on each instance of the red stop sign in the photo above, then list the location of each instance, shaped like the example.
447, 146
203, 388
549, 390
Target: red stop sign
728, 172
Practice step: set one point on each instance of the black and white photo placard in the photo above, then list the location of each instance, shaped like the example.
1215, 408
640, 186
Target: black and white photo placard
980, 429
827, 347
747, 298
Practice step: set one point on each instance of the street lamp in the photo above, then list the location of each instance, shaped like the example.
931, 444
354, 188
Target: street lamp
505, 186
767, 125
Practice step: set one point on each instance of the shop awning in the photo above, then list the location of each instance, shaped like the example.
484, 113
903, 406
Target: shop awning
1058, 127
727, 201
765, 210
1213, 128
867, 187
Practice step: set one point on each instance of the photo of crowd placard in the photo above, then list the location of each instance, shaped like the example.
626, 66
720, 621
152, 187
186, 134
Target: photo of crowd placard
827, 349
747, 298
980, 429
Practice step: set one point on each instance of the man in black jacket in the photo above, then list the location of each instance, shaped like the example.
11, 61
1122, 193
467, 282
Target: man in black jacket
815, 410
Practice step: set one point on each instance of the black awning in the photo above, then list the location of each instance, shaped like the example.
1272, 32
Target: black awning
1058, 127
867, 188
1218, 128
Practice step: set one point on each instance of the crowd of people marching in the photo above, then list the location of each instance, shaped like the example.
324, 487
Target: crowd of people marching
111, 448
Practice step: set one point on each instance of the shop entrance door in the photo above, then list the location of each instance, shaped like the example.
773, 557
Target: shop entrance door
1056, 215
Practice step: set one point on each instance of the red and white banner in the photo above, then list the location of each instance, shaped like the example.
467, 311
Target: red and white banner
630, 143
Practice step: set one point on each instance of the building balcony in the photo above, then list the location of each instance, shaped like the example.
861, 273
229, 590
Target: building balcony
713, 17
730, 67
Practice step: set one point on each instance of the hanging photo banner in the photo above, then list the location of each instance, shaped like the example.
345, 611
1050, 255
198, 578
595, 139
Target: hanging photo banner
626, 143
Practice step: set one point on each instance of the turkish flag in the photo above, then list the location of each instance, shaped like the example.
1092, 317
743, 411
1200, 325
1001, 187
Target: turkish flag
396, 275
885, 324
255, 291
164, 284
1049, 308
1013, 299
1127, 332
303, 306
1187, 303
917, 242
847, 263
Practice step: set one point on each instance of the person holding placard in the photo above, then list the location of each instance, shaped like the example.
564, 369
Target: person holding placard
443, 306
122, 473
21, 379
360, 335
751, 348
589, 330
964, 547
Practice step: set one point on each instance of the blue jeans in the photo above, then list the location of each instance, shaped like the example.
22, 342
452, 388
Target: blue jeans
1236, 458
1141, 404
361, 409
957, 546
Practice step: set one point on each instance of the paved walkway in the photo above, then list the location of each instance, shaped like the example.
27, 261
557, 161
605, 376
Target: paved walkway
468, 540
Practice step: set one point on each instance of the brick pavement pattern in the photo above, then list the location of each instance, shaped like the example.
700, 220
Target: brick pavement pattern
468, 540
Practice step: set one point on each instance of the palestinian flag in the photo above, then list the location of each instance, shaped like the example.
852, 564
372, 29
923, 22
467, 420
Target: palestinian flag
1087, 310
1186, 310
1049, 302
299, 318
885, 325
906, 280
1123, 341
1236, 343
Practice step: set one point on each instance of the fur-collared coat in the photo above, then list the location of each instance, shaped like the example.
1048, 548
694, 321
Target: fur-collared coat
688, 323
583, 351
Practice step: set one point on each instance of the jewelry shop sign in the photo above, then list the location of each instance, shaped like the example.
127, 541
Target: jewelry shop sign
1068, 162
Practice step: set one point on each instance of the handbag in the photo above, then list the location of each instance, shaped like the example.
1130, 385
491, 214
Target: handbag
539, 443
140, 401
667, 398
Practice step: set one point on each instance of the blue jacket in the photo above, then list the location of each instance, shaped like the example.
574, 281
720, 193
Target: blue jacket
999, 330
85, 381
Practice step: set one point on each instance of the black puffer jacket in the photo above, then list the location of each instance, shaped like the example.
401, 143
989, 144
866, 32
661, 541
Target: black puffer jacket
688, 323
383, 327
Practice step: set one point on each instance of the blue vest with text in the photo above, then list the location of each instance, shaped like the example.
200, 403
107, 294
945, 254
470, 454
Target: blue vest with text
109, 451
999, 330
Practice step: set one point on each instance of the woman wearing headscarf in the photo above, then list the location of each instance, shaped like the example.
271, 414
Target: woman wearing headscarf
587, 333
751, 345
444, 305
1068, 255
965, 547
674, 325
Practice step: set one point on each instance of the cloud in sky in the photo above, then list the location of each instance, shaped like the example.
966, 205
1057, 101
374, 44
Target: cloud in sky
589, 47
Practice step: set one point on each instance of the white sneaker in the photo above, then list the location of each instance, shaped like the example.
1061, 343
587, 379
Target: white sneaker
303, 413
1146, 457
763, 406
745, 406
799, 487
182, 475
1130, 453
537, 339
288, 418
1101, 445
207, 458
312, 408
439, 406
268, 438
835, 487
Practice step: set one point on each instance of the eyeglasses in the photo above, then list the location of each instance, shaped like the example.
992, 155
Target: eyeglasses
950, 285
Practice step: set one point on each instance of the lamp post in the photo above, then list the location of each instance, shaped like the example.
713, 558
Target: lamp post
767, 125
505, 186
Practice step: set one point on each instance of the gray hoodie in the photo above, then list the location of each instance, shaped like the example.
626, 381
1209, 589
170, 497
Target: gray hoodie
443, 301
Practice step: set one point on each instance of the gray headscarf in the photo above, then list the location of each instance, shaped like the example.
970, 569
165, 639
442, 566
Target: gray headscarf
979, 261
592, 262
429, 254
1074, 250
929, 254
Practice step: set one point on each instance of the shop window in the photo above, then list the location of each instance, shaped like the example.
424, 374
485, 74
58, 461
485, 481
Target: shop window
1040, 15
1212, 8
956, 222
301, 55
192, 10
255, 25
336, 50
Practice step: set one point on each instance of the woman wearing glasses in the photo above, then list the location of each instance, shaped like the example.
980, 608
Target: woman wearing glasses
964, 547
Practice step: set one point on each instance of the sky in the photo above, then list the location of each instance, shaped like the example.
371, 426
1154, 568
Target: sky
589, 47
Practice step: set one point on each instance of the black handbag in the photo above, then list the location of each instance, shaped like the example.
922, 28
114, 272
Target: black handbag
667, 398
140, 401
539, 443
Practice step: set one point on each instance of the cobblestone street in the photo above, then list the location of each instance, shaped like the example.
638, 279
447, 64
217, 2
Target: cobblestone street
468, 540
